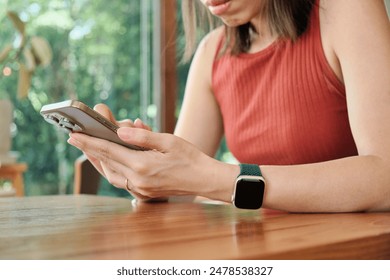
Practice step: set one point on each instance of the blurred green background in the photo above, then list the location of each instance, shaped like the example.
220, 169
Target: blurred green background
97, 58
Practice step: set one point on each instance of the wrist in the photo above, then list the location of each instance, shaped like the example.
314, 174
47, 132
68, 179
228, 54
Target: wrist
219, 184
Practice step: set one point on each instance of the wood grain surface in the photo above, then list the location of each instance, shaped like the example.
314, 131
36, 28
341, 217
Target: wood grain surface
96, 227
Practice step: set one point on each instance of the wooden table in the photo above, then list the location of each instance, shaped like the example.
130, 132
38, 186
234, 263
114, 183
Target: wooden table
95, 227
14, 172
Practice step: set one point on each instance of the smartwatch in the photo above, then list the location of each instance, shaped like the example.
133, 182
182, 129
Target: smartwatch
249, 187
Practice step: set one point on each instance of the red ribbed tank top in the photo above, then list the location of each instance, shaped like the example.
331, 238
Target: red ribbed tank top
284, 104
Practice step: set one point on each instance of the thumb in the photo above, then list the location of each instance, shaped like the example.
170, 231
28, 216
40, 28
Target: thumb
105, 111
142, 138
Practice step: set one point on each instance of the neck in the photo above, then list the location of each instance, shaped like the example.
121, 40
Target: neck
261, 35
261, 24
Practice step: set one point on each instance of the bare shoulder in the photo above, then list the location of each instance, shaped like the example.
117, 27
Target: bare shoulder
352, 30
210, 42
202, 62
347, 18
350, 8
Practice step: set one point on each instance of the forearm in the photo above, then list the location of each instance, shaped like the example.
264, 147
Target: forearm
172, 166
346, 185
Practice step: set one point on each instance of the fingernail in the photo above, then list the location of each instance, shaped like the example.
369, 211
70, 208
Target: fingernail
124, 133
73, 141
138, 121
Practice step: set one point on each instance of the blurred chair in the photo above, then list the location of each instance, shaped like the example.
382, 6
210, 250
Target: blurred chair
86, 177
7, 192
14, 173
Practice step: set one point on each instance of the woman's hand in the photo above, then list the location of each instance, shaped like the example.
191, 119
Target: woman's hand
169, 165
105, 111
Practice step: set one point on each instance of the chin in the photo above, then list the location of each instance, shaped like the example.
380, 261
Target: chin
234, 22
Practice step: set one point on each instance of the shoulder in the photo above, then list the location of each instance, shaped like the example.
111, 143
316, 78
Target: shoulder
351, 29
209, 44
203, 60
337, 11
350, 19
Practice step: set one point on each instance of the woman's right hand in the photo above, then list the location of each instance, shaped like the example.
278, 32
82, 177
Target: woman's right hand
105, 111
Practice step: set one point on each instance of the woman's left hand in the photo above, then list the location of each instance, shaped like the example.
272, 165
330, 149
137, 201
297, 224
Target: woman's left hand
168, 166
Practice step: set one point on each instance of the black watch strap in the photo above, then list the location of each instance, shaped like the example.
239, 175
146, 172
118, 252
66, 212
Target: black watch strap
250, 169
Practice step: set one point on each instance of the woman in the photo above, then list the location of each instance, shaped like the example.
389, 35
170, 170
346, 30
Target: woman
301, 91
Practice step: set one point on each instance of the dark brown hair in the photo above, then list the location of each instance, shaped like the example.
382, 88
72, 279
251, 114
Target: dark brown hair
287, 18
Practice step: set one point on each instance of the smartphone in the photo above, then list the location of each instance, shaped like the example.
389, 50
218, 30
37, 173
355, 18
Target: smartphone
75, 116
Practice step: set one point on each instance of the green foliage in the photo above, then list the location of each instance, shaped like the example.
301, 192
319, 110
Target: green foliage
96, 58
24, 54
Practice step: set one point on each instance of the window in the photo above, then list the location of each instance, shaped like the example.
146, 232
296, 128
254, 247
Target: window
121, 53
102, 52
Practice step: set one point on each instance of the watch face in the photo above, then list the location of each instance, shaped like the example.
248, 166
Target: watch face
249, 193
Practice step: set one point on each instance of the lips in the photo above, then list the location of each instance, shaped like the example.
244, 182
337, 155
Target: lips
218, 7
216, 2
